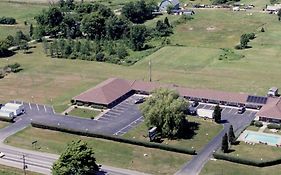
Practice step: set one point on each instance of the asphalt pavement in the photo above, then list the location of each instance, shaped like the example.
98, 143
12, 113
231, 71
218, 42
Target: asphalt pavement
229, 117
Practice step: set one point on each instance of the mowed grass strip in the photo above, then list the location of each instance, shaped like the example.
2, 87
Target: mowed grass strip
219, 167
106, 152
84, 113
6, 170
203, 132
3, 124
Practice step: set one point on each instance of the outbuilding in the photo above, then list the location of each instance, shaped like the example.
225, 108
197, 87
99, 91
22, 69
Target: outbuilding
175, 4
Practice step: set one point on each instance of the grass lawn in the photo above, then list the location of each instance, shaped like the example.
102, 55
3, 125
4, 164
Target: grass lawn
220, 167
3, 124
255, 152
84, 113
6, 170
21, 12
268, 131
202, 135
252, 128
106, 152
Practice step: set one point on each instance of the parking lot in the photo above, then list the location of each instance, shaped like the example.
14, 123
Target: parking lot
126, 115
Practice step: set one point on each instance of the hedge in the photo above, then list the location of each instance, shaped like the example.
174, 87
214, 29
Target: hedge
257, 163
258, 124
118, 139
273, 126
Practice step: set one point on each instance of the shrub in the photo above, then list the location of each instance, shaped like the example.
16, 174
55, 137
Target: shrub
100, 56
251, 36
262, 29
7, 20
258, 124
273, 126
252, 123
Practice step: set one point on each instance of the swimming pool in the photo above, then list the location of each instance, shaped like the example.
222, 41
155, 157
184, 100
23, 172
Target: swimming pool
273, 140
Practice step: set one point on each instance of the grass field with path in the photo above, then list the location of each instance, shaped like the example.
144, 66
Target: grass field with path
21, 12
204, 132
84, 113
106, 152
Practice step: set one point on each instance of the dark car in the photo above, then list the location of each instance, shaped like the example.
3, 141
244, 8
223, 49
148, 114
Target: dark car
139, 100
191, 110
241, 110
195, 103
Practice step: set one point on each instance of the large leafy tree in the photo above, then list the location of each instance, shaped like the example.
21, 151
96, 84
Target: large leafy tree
165, 110
93, 26
116, 27
77, 159
137, 36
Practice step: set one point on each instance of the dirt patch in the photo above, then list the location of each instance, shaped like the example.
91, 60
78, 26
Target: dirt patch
212, 28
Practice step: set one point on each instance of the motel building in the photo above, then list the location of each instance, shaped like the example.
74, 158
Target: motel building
114, 90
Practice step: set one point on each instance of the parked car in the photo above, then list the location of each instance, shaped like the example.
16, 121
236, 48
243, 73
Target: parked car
241, 110
195, 103
139, 100
2, 154
191, 110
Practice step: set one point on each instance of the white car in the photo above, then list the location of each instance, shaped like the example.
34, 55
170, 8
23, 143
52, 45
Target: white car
2, 155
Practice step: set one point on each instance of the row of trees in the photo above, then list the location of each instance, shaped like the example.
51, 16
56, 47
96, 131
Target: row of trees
7, 20
244, 40
228, 139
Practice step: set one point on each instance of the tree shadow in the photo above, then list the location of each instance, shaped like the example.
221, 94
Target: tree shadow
188, 130
236, 142
230, 151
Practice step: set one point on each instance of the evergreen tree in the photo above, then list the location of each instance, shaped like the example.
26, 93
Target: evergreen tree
217, 114
224, 145
31, 30
166, 22
231, 135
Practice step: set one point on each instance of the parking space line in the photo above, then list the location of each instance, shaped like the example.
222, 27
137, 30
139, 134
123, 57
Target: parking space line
45, 108
129, 124
230, 110
37, 107
30, 106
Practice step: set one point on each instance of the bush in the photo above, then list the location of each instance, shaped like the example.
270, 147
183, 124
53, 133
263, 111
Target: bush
7, 20
262, 29
258, 163
258, 124
118, 139
252, 123
100, 56
273, 126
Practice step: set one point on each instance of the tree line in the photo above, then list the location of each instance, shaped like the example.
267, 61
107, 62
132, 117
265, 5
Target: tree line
97, 25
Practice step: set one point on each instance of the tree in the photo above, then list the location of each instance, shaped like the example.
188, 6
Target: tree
137, 36
116, 27
244, 39
77, 159
217, 114
169, 9
31, 30
24, 46
166, 22
165, 110
262, 29
93, 26
224, 144
279, 14
231, 135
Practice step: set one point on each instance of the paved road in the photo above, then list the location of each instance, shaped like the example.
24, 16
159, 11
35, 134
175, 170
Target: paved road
230, 117
42, 162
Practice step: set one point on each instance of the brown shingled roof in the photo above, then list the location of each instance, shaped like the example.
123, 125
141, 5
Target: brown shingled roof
106, 92
272, 109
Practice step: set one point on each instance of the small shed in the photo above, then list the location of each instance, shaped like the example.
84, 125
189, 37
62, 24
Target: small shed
206, 113
272, 92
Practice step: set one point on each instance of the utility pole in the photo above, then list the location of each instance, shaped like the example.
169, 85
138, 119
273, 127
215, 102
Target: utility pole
24, 166
149, 64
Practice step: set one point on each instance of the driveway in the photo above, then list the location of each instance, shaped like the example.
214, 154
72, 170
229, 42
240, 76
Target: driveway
229, 117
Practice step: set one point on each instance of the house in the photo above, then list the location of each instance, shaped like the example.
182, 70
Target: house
272, 92
271, 112
165, 3
273, 8
183, 12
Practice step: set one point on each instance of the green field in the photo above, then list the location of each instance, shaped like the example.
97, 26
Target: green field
106, 152
5, 170
21, 12
84, 113
219, 167
202, 135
